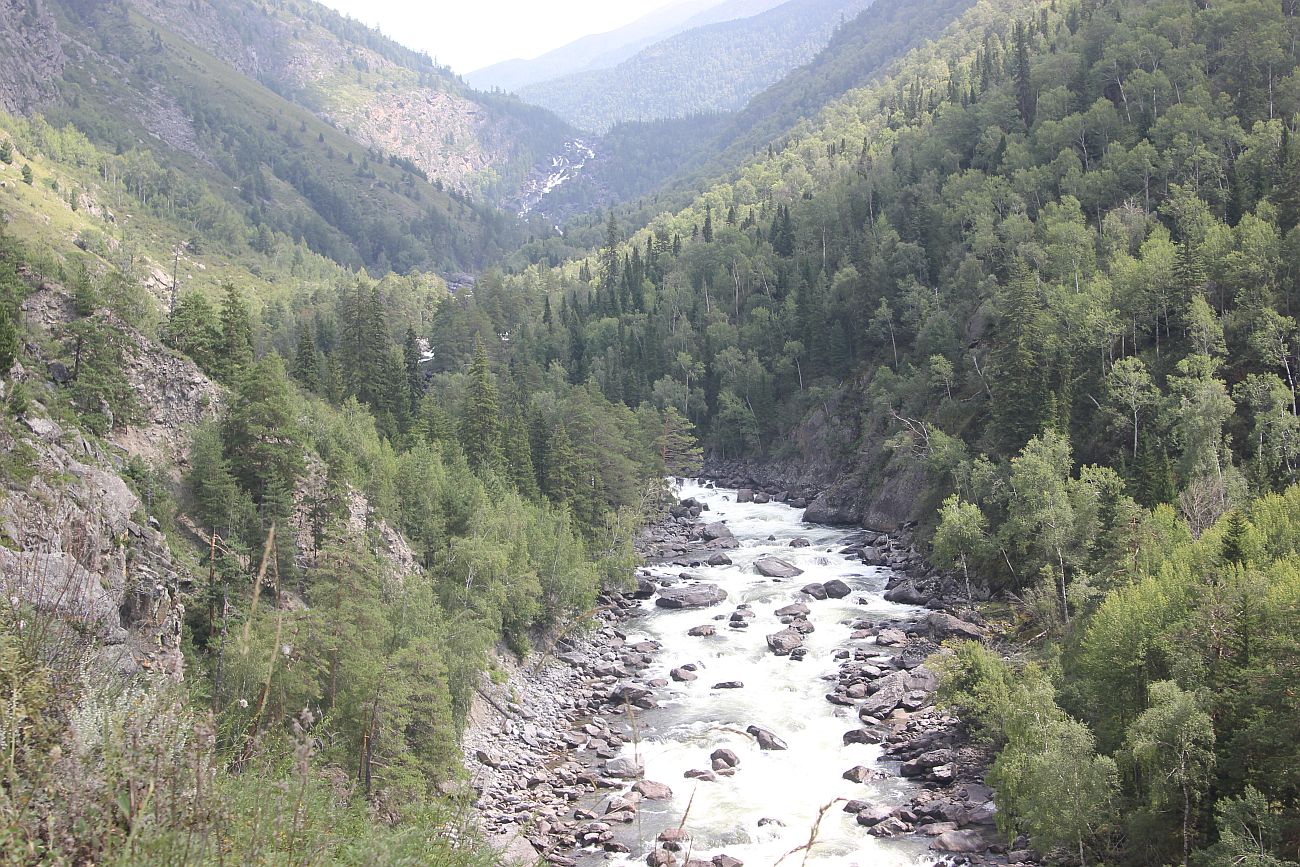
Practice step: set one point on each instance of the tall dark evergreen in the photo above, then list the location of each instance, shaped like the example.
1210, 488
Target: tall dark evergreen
480, 425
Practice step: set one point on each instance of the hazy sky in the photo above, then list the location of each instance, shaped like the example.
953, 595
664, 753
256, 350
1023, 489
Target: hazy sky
470, 34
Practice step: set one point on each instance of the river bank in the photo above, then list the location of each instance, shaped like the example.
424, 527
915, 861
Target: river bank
617, 747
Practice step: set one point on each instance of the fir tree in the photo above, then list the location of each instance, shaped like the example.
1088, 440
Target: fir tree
707, 234
235, 348
1024, 91
8, 341
306, 363
561, 475
519, 456
480, 415
411, 361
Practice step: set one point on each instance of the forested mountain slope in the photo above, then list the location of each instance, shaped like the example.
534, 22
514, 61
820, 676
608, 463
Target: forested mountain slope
712, 68
220, 141
1037, 289
652, 166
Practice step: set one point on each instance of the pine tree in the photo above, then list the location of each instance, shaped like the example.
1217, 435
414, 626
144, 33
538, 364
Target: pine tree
306, 363
480, 416
1287, 193
1024, 92
678, 448
519, 456
235, 348
27, 175
8, 341
561, 473
260, 431
6, 152
411, 361
1023, 402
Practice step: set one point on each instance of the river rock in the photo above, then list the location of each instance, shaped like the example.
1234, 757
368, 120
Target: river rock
727, 861
800, 543
745, 495
682, 675
716, 530
891, 689
906, 593
891, 637
766, 739
704, 631
725, 756
719, 559
891, 827
645, 588
944, 626
729, 684
652, 791
816, 591
961, 842
775, 567
862, 736
625, 767
704, 776
858, 774
871, 816
693, 596
837, 589
784, 642
798, 609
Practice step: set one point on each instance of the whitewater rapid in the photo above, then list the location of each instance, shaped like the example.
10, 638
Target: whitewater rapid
785, 696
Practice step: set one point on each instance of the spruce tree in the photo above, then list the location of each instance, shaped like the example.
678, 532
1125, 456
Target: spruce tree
561, 473
707, 234
6, 152
235, 348
1024, 91
411, 361
8, 341
27, 175
306, 364
480, 416
519, 456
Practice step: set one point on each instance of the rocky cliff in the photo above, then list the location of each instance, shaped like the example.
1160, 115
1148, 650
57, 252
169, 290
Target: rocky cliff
33, 55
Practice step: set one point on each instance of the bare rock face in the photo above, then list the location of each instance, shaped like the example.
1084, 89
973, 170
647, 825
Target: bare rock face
29, 40
81, 547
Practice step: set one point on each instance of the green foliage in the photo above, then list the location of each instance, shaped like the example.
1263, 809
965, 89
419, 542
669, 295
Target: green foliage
8, 340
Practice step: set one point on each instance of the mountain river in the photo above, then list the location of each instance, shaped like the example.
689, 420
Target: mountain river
733, 815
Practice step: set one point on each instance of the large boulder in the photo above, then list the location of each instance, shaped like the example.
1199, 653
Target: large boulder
891, 690
827, 509
837, 589
766, 739
775, 567
960, 842
816, 591
785, 641
625, 767
716, 530
719, 559
745, 495
692, 596
652, 791
944, 626
906, 593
